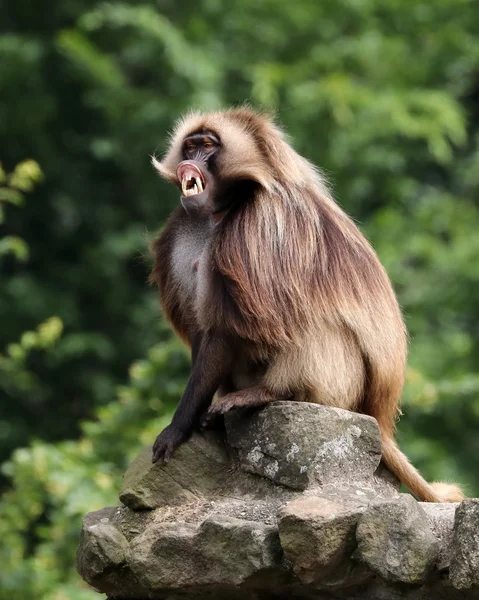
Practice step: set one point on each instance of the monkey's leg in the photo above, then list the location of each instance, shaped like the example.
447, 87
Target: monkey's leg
206, 375
249, 398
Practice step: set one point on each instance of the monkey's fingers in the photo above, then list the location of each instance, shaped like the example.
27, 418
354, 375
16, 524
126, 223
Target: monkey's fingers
159, 454
163, 454
208, 420
249, 398
166, 443
222, 406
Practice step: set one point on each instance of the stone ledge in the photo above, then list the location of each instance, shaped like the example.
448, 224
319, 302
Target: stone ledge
290, 502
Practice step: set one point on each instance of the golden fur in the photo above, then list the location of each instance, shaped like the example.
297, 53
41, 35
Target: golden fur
291, 278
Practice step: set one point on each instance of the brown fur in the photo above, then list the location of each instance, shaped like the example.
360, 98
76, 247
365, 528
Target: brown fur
289, 277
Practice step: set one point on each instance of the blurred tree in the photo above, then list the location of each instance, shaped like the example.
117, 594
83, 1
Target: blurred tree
382, 94
16, 379
55, 485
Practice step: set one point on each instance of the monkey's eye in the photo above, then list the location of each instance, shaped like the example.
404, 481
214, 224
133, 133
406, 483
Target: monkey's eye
208, 146
190, 148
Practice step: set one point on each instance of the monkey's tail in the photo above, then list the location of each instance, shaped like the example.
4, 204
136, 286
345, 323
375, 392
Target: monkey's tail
398, 463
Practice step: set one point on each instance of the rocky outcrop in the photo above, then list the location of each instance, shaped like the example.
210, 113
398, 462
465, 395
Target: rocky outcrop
287, 502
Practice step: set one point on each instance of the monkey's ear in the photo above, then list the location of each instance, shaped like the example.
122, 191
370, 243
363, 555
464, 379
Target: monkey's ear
164, 170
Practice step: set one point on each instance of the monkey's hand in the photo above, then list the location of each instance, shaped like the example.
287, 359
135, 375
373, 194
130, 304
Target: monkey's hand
167, 442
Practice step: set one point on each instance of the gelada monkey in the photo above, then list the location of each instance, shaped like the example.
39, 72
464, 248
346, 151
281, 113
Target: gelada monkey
276, 291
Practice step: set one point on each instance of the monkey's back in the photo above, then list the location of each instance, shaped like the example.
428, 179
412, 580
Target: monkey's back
291, 298
352, 345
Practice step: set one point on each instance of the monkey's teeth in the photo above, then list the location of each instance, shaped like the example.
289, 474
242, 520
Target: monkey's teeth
192, 191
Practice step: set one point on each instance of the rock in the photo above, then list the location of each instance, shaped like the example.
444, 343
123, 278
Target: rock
164, 555
302, 445
198, 469
102, 546
318, 537
464, 571
441, 520
202, 467
287, 502
102, 554
223, 550
237, 549
395, 540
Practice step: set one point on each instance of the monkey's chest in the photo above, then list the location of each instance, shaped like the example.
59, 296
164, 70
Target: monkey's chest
188, 259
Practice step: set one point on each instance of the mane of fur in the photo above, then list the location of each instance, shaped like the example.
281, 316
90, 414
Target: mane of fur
290, 258
291, 274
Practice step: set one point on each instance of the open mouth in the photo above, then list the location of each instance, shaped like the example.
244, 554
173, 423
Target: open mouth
192, 182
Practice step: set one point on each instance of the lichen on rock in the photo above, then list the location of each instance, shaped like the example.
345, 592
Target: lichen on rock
290, 501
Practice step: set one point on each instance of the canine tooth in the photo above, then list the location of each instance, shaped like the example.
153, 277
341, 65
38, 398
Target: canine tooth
195, 187
200, 185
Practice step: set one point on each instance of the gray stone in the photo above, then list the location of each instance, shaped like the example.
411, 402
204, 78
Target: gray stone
297, 509
198, 469
395, 540
166, 556
441, 520
464, 571
102, 546
223, 550
318, 537
302, 445
238, 549
102, 553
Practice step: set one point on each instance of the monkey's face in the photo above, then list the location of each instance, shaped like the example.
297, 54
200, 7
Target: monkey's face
195, 173
220, 160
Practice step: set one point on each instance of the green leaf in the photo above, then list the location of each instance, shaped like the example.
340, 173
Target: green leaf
14, 245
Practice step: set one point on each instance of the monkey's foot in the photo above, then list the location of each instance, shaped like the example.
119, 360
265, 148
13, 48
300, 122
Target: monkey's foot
167, 442
250, 398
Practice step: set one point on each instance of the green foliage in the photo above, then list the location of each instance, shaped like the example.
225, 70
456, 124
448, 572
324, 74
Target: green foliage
13, 370
12, 187
382, 94
15, 375
55, 485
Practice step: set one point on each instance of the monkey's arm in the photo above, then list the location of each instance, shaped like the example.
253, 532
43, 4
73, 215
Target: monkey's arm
211, 363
